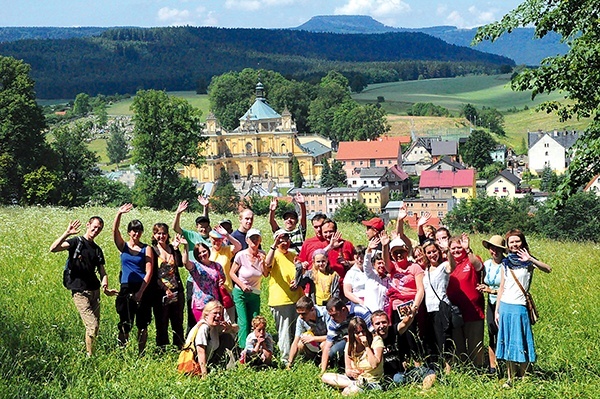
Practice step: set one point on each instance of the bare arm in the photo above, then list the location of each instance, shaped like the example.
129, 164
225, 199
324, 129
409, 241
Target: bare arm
422, 222
117, 238
385, 249
325, 355
204, 202
201, 351
148, 276
400, 228
465, 242
235, 266
420, 292
525, 256
272, 208
183, 205
499, 296
60, 244
349, 294
300, 200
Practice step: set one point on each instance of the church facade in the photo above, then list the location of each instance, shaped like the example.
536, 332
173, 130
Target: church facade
261, 148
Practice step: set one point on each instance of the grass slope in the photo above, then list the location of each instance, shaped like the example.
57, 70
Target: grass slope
197, 100
42, 349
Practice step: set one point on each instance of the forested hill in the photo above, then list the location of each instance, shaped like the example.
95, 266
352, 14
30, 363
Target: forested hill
518, 45
185, 58
13, 33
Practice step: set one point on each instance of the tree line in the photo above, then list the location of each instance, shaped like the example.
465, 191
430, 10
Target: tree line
125, 60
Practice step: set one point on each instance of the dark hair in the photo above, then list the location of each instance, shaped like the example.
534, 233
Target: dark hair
135, 225
327, 221
518, 233
318, 216
378, 313
98, 218
360, 250
202, 219
160, 226
378, 256
443, 229
305, 303
335, 303
197, 250
354, 323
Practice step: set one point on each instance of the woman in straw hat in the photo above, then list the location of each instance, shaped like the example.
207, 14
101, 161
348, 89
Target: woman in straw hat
491, 282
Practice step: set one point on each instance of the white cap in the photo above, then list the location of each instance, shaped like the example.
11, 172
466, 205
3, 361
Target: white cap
253, 232
398, 242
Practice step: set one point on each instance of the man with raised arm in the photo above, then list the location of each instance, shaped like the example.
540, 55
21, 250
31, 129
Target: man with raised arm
292, 223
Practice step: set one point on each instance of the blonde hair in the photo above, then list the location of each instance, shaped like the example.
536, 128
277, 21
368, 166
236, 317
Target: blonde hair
210, 306
258, 321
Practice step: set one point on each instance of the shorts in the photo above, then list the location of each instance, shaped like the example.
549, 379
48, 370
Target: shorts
88, 306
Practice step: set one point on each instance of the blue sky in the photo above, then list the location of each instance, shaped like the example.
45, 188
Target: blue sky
247, 13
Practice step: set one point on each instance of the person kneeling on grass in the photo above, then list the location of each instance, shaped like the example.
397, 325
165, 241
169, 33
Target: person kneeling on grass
259, 344
311, 330
213, 337
394, 362
363, 356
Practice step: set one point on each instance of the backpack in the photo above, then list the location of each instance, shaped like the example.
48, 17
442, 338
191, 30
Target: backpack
67, 270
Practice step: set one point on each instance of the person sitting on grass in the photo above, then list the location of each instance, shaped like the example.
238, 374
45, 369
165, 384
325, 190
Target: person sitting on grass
213, 337
394, 361
259, 344
363, 356
311, 330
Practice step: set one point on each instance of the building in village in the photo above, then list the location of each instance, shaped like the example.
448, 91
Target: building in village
328, 200
550, 149
504, 185
261, 148
446, 184
381, 152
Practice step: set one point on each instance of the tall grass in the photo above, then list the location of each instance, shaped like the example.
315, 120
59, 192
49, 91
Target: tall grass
42, 348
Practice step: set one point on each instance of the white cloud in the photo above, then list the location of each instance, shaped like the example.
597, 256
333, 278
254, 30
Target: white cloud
253, 5
374, 8
210, 19
456, 19
173, 16
472, 17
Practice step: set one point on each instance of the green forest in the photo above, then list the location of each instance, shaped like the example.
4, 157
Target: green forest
125, 60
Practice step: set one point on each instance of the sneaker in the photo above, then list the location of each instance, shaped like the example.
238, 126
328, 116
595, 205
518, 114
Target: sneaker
507, 384
492, 371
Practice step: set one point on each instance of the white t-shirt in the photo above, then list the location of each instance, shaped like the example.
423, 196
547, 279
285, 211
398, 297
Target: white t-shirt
512, 293
357, 279
208, 337
375, 286
439, 278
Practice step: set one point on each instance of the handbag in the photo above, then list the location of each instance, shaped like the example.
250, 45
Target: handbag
187, 363
532, 311
452, 312
225, 297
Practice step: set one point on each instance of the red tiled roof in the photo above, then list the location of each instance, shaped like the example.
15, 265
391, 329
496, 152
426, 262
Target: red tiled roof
399, 172
447, 178
381, 148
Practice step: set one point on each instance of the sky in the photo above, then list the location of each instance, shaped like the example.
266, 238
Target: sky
247, 13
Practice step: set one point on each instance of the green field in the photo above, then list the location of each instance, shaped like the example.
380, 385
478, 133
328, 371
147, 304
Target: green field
197, 100
42, 349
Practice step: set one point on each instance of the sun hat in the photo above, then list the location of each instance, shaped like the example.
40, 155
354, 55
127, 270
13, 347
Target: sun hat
280, 232
496, 241
398, 243
215, 234
253, 232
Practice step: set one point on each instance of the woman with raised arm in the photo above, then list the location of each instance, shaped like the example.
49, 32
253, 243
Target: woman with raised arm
134, 302
207, 276
515, 336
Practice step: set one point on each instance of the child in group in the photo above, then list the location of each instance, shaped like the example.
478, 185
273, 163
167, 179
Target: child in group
326, 281
259, 344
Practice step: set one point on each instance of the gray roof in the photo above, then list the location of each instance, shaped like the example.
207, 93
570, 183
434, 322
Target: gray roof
316, 148
565, 139
447, 160
260, 110
342, 190
444, 148
508, 176
372, 172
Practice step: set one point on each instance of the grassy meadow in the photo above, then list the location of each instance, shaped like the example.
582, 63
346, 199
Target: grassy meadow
42, 348
197, 100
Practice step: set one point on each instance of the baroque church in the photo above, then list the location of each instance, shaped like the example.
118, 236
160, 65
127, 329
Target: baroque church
260, 149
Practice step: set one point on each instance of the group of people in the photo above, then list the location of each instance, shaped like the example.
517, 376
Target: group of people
389, 312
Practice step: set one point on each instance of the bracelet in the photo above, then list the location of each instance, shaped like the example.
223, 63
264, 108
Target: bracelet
273, 248
469, 251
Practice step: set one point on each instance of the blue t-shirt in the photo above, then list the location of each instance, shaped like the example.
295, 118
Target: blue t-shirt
133, 266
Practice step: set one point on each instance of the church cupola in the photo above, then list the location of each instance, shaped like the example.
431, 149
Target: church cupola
260, 91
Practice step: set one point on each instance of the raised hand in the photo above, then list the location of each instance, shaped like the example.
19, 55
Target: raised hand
183, 205
402, 214
336, 239
125, 208
373, 243
203, 200
424, 219
299, 198
524, 255
465, 241
221, 230
384, 238
74, 226
273, 204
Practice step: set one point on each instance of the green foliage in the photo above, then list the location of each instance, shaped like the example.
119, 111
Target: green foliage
116, 145
297, 177
490, 171
225, 199
76, 163
258, 204
166, 135
106, 192
492, 119
574, 74
476, 150
491, 215
334, 175
81, 106
332, 94
550, 181
101, 114
353, 211
23, 147
427, 109
577, 220
41, 187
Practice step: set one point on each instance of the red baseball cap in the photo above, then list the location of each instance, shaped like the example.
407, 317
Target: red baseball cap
376, 223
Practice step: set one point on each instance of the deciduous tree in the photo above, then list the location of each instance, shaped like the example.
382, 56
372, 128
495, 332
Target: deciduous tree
476, 150
116, 145
353, 211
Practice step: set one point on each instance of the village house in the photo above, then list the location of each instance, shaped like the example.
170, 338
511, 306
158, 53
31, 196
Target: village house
261, 148
416, 207
445, 184
417, 157
444, 148
593, 186
504, 185
446, 163
382, 152
375, 198
549, 149
328, 200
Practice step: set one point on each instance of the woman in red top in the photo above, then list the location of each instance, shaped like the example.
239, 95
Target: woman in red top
462, 292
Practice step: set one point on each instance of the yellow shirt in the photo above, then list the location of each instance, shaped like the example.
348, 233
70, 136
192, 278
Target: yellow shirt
323, 284
361, 362
282, 274
224, 257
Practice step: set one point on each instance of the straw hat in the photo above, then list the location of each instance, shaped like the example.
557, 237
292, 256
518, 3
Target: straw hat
496, 241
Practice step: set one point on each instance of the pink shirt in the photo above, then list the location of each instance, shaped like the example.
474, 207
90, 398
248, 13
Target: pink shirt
249, 272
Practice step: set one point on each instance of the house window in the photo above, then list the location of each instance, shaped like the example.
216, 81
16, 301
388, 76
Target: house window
370, 201
352, 163
455, 190
320, 202
504, 189
312, 202
330, 201
546, 154
361, 162
440, 214
336, 200
465, 190
389, 162
409, 213
426, 191
354, 182
496, 189
380, 162
372, 181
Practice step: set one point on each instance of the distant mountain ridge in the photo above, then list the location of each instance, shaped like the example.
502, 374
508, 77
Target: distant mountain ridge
519, 45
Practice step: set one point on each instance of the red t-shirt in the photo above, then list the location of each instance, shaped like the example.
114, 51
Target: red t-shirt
338, 255
462, 290
310, 246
